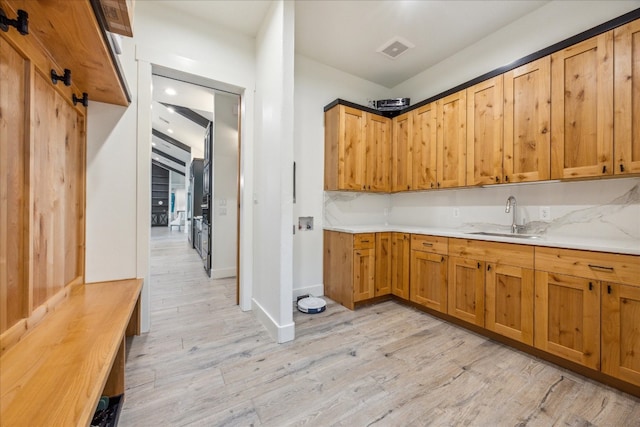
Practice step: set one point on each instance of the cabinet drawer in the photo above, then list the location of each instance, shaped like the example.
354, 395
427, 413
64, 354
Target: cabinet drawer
431, 244
364, 241
593, 265
493, 252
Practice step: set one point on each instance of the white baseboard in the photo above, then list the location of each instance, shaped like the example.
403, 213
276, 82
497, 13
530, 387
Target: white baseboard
223, 273
315, 290
280, 333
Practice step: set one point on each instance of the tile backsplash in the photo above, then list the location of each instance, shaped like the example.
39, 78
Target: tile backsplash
607, 208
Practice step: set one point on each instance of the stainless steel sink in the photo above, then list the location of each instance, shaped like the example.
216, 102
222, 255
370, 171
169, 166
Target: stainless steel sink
514, 235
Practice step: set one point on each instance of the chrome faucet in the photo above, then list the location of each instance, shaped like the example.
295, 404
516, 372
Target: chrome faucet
512, 204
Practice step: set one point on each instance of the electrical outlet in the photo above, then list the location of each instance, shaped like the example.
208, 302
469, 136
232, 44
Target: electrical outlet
456, 212
545, 213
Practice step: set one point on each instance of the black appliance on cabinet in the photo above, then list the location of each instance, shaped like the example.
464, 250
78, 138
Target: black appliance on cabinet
207, 190
194, 205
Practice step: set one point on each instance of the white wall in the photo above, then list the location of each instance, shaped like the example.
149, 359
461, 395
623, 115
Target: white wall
225, 187
111, 193
551, 23
272, 285
316, 85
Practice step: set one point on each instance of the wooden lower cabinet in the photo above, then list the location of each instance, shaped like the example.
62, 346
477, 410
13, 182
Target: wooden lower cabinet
466, 290
429, 271
429, 280
621, 331
383, 264
567, 317
509, 301
363, 274
400, 253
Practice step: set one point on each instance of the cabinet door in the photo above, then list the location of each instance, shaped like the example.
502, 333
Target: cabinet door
527, 122
621, 332
424, 146
509, 301
383, 264
400, 263
378, 176
627, 99
484, 132
337, 267
352, 149
567, 317
363, 274
429, 280
401, 153
466, 290
451, 140
582, 109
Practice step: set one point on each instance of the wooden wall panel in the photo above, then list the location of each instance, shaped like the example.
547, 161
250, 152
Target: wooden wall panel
14, 75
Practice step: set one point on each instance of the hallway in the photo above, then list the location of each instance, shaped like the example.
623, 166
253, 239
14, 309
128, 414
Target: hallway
206, 363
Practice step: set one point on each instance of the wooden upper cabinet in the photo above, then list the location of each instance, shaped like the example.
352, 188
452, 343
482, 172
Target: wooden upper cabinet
378, 149
402, 152
582, 109
451, 140
627, 99
423, 143
527, 122
345, 148
484, 132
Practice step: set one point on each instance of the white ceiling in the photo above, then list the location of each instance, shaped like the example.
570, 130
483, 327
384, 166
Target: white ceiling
346, 34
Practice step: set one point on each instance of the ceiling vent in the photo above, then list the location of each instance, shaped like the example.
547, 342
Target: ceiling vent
395, 47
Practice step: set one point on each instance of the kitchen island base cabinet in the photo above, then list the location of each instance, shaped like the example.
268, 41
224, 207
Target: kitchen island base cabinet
621, 331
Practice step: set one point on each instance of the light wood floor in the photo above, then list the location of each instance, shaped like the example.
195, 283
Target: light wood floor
206, 363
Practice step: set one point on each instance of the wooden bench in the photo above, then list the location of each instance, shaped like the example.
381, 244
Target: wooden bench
56, 373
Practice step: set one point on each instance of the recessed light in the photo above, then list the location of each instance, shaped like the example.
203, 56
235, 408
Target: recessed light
153, 143
170, 91
170, 130
171, 110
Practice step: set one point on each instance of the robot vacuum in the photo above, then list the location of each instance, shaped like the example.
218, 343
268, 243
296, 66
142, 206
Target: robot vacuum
311, 305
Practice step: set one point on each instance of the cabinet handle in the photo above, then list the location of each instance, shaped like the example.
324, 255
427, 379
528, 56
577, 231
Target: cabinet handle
364, 241
621, 167
600, 267
604, 169
478, 265
489, 267
590, 286
608, 289
506, 178
438, 185
408, 187
497, 179
442, 259
427, 244
431, 185
358, 253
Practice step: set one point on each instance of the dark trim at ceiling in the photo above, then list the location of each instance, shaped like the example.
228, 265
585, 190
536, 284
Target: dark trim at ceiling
170, 140
162, 165
595, 31
189, 114
168, 157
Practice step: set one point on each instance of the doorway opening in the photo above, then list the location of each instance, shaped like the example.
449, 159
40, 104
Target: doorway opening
195, 148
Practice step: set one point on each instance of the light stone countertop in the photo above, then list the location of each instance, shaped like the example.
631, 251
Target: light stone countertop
627, 246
